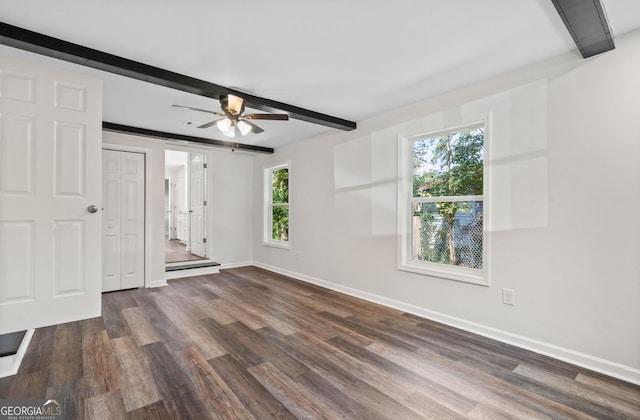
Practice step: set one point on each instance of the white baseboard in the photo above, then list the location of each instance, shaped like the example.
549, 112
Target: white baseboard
170, 275
178, 274
9, 365
597, 364
190, 272
157, 283
236, 265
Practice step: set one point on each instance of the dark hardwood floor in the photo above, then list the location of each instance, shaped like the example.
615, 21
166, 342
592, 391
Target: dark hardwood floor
247, 343
175, 251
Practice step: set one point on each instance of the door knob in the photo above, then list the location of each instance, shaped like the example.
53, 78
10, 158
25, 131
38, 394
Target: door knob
92, 209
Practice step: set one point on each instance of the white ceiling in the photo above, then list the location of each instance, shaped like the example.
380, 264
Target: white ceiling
350, 59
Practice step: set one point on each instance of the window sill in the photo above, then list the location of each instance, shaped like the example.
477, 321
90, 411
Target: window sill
281, 245
465, 275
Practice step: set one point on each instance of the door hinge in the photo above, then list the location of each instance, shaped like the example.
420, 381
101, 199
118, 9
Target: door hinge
204, 203
204, 240
204, 166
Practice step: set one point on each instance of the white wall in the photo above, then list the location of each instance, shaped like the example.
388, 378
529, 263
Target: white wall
230, 199
564, 198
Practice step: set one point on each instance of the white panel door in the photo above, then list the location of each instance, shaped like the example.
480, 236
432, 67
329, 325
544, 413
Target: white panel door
123, 220
50, 170
197, 203
110, 220
132, 220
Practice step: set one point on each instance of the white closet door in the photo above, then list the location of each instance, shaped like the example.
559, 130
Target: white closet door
50, 171
197, 203
123, 221
110, 220
132, 220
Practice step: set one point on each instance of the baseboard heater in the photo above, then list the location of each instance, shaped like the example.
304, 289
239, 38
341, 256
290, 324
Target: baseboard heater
190, 266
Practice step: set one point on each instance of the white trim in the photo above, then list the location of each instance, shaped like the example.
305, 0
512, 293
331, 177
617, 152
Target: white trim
236, 265
208, 192
277, 244
190, 272
448, 198
9, 365
488, 197
470, 125
275, 167
597, 364
157, 283
444, 271
405, 200
147, 200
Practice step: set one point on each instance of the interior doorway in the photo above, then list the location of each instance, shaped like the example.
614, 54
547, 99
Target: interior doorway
185, 205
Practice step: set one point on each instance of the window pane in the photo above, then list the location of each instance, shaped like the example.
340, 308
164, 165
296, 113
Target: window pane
448, 233
280, 223
280, 182
449, 165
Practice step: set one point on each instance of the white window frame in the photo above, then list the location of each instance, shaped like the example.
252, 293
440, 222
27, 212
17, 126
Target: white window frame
405, 200
268, 207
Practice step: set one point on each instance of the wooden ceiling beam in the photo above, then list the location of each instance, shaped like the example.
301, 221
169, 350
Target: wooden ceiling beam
587, 23
161, 135
38, 43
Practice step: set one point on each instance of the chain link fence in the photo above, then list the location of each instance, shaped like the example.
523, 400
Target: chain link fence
448, 233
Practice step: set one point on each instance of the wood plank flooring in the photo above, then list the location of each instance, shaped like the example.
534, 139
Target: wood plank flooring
247, 343
175, 251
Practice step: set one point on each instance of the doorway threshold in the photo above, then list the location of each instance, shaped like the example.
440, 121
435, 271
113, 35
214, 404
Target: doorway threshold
190, 266
13, 348
10, 343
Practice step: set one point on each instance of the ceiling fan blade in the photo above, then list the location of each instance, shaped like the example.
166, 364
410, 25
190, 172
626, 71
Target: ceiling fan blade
254, 128
210, 123
235, 104
274, 117
198, 109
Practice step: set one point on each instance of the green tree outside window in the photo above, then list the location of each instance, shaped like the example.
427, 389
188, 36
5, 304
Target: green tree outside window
280, 204
449, 230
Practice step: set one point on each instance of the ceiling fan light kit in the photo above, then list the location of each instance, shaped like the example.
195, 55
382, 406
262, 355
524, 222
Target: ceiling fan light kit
225, 126
233, 121
229, 127
235, 104
244, 128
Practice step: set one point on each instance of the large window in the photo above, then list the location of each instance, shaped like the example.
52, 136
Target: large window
444, 204
277, 206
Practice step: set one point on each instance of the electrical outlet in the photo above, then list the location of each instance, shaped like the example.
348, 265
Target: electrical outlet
508, 297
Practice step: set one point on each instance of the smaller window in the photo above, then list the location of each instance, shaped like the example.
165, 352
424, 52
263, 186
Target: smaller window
277, 206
